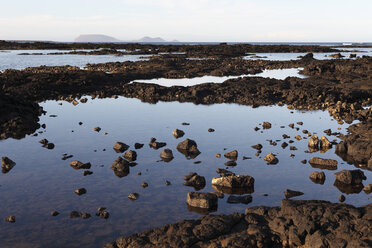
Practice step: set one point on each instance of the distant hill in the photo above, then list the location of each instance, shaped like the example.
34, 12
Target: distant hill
95, 38
105, 38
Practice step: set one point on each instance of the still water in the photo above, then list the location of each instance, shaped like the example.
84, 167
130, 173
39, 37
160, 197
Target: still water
42, 182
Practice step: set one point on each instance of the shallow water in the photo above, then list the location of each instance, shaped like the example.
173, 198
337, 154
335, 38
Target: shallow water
41, 182
296, 56
168, 82
13, 60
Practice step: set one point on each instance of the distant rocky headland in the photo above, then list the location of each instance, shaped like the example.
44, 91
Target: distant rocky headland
100, 38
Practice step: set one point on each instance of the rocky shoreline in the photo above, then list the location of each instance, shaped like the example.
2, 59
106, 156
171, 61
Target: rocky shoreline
342, 87
294, 224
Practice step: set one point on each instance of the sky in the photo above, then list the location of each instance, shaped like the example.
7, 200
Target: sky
189, 20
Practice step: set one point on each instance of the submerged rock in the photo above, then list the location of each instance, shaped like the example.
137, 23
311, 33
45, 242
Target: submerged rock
245, 199
7, 164
202, 200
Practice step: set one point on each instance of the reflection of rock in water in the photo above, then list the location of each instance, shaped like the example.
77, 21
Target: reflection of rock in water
18, 118
233, 191
203, 211
348, 188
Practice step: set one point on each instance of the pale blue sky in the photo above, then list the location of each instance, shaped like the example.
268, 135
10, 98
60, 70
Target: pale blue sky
189, 20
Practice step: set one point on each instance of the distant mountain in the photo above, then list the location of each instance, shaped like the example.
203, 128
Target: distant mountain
149, 39
95, 38
105, 38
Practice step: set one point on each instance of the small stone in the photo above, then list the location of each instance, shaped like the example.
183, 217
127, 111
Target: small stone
166, 155
133, 196
211, 130
97, 129
77, 165
138, 145
54, 213
368, 189
304, 161
156, 145
185, 123
85, 216
131, 155
317, 177
271, 159
291, 125
218, 155
139, 173
7, 164
341, 198
202, 200
284, 145
10, 219
103, 213
232, 155
257, 147
75, 214
49, 146
167, 183
120, 147
230, 163
144, 185
87, 172
292, 148
300, 123
350, 177
177, 133
266, 125
80, 191
44, 141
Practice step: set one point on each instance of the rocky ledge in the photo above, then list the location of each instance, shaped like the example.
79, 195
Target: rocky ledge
294, 224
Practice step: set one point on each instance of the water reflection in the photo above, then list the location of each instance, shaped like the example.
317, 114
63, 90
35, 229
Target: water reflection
42, 182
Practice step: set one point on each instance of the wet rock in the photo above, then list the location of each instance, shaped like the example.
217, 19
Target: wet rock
54, 213
232, 155
271, 159
292, 148
166, 155
138, 145
144, 185
300, 123
189, 148
177, 133
131, 155
80, 123
244, 182
257, 147
291, 125
292, 193
245, 199
75, 214
211, 130
313, 141
44, 141
202, 200
156, 145
185, 123
218, 155
194, 180
133, 196
167, 183
256, 129
87, 172
120, 147
341, 198
49, 146
304, 161
218, 194
317, 177
7, 164
321, 163
298, 137
80, 191
85, 216
10, 219
120, 167
351, 177
348, 188
102, 213
325, 143
284, 145
266, 125
84, 100
368, 189
77, 165
245, 158
97, 129
285, 136
65, 156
